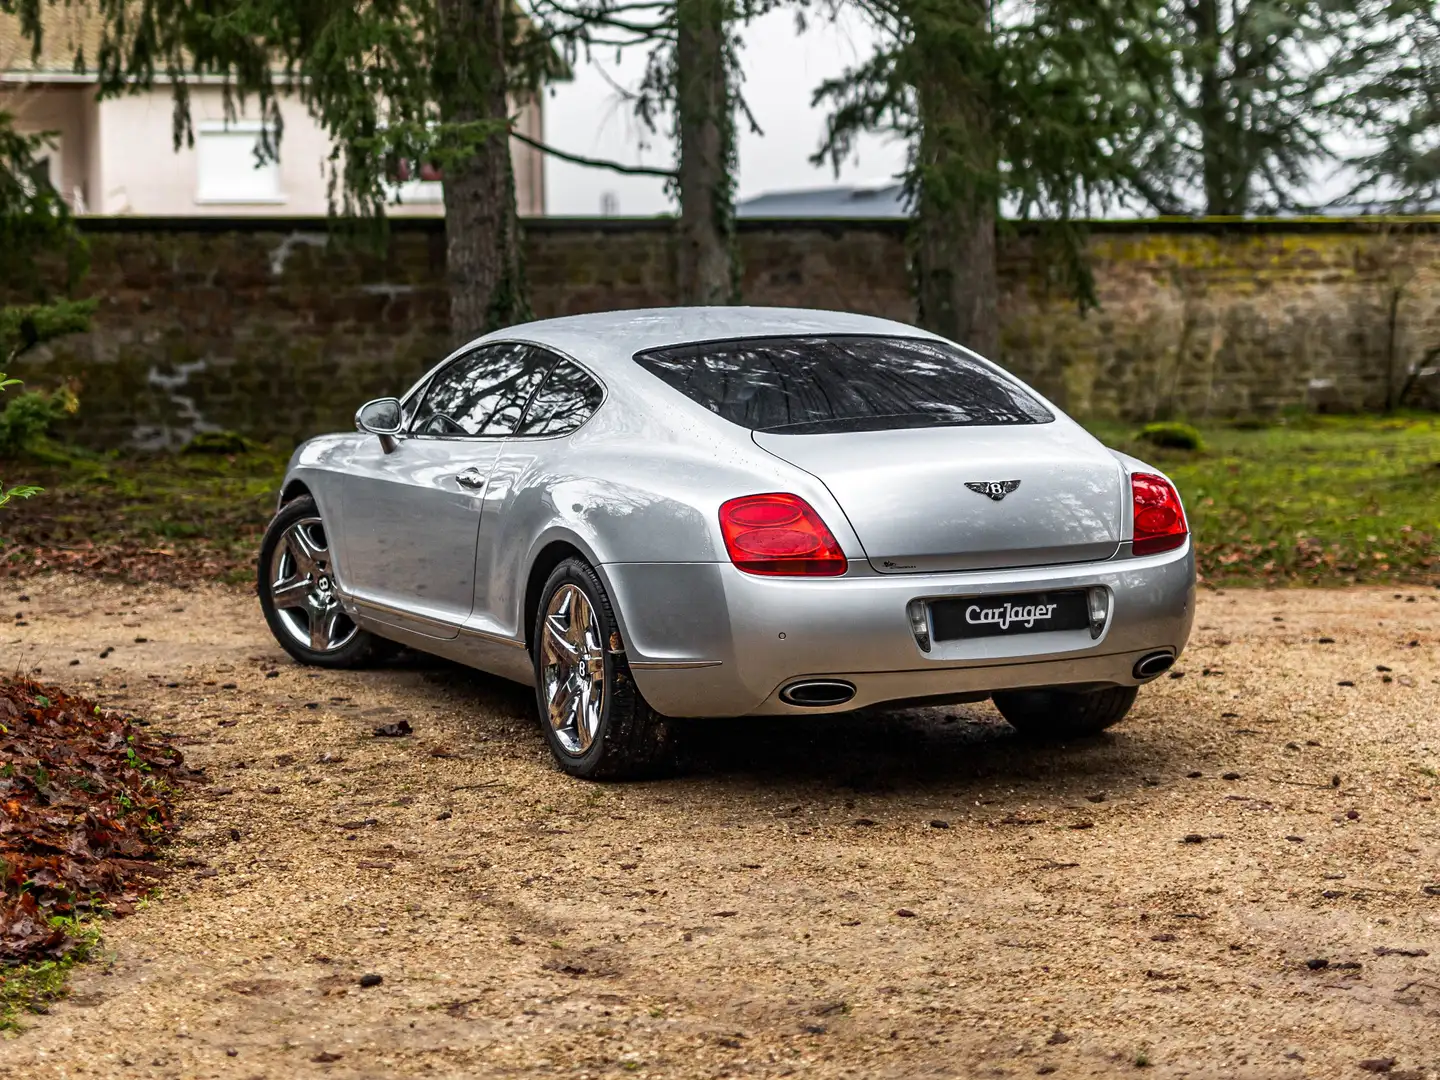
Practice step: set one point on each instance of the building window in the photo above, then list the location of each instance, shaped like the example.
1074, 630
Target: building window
229, 171
412, 183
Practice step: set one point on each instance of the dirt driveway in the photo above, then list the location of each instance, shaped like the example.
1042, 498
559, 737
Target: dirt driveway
1243, 880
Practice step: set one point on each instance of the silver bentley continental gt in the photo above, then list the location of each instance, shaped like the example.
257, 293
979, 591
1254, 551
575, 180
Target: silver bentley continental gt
724, 512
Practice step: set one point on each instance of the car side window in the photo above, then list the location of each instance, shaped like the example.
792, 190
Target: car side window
482, 393
564, 401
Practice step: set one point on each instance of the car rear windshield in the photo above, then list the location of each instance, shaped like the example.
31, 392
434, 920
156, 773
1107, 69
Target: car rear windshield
816, 385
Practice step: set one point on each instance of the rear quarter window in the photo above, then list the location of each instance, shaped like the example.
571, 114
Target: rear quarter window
816, 385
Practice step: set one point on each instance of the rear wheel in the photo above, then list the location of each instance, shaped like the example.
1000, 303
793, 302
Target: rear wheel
1065, 714
595, 720
297, 593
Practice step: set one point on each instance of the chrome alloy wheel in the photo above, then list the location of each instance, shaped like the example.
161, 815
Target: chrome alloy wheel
572, 669
303, 590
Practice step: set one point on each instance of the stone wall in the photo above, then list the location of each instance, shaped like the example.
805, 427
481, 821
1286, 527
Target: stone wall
274, 330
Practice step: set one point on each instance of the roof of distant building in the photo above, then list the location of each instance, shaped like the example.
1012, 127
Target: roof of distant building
856, 201
67, 31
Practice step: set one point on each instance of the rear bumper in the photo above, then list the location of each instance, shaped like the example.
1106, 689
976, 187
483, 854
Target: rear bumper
704, 639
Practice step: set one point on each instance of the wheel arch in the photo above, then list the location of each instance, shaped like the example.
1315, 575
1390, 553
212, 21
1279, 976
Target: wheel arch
293, 489
550, 553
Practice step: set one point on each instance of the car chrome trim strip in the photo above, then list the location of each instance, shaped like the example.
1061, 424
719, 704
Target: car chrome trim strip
671, 665
485, 635
466, 631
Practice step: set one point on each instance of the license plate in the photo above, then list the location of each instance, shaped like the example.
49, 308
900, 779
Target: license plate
1001, 616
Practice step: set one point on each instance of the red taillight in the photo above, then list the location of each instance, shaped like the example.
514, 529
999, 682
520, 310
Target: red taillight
1159, 517
780, 535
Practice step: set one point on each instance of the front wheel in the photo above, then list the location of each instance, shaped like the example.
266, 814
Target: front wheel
595, 720
1064, 714
297, 593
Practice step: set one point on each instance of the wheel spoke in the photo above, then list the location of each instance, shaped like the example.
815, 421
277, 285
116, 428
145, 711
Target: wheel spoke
309, 556
291, 592
576, 720
556, 637
580, 618
560, 703
323, 625
585, 722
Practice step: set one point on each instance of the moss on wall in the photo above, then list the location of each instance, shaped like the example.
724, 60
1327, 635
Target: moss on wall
277, 330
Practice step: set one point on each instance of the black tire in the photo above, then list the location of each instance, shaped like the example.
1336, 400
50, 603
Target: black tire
1065, 714
361, 648
631, 740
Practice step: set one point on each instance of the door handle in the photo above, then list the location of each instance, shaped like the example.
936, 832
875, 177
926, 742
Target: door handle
473, 479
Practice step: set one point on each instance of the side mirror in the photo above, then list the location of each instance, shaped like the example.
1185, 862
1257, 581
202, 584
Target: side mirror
380, 417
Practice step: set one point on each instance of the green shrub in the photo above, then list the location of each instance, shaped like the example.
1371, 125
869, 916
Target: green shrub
1171, 435
27, 418
217, 442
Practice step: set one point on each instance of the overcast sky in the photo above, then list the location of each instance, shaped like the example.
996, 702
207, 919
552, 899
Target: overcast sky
782, 68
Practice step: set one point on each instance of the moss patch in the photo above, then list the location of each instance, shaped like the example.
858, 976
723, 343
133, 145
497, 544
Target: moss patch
30, 988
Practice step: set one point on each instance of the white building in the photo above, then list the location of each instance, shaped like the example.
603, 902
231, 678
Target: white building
118, 156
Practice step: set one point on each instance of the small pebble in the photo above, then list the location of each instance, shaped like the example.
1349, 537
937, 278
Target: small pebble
371, 980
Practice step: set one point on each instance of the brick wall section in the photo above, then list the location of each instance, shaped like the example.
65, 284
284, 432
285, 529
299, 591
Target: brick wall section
268, 329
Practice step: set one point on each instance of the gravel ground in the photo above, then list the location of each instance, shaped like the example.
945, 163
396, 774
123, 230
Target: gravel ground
911, 894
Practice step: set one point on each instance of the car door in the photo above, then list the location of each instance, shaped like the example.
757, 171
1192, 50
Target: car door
519, 491
412, 515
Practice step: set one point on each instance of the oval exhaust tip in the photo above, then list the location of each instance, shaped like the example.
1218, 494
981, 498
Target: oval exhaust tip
1147, 667
817, 693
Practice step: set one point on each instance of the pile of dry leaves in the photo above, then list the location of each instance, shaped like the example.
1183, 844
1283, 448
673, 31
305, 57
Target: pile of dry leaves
84, 802
179, 564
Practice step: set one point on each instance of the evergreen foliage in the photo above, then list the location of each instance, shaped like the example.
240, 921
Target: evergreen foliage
394, 83
42, 258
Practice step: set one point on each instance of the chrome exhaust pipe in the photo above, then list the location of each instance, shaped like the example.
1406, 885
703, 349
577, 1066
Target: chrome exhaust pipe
1147, 667
817, 693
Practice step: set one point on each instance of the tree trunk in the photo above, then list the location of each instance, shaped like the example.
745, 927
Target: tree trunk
957, 289
1221, 135
704, 110
484, 264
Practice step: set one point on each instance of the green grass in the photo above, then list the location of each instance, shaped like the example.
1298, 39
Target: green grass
1304, 500
199, 515
1308, 500
29, 988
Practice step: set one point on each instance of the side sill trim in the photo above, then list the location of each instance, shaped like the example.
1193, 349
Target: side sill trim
670, 665
439, 624
497, 639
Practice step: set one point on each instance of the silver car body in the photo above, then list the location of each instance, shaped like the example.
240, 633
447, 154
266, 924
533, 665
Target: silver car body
421, 558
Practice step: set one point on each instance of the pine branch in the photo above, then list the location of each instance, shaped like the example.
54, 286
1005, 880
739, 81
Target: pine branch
593, 163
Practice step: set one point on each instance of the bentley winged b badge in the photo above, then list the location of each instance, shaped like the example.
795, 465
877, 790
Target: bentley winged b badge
995, 489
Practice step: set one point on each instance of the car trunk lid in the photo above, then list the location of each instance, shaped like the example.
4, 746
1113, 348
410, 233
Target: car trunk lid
905, 494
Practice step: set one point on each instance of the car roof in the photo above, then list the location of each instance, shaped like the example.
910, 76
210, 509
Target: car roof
608, 340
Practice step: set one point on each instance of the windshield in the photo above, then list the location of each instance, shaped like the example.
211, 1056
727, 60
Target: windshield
816, 385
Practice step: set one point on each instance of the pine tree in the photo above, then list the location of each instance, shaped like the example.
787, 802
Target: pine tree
392, 82
1047, 107
1258, 90
1393, 106
692, 81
